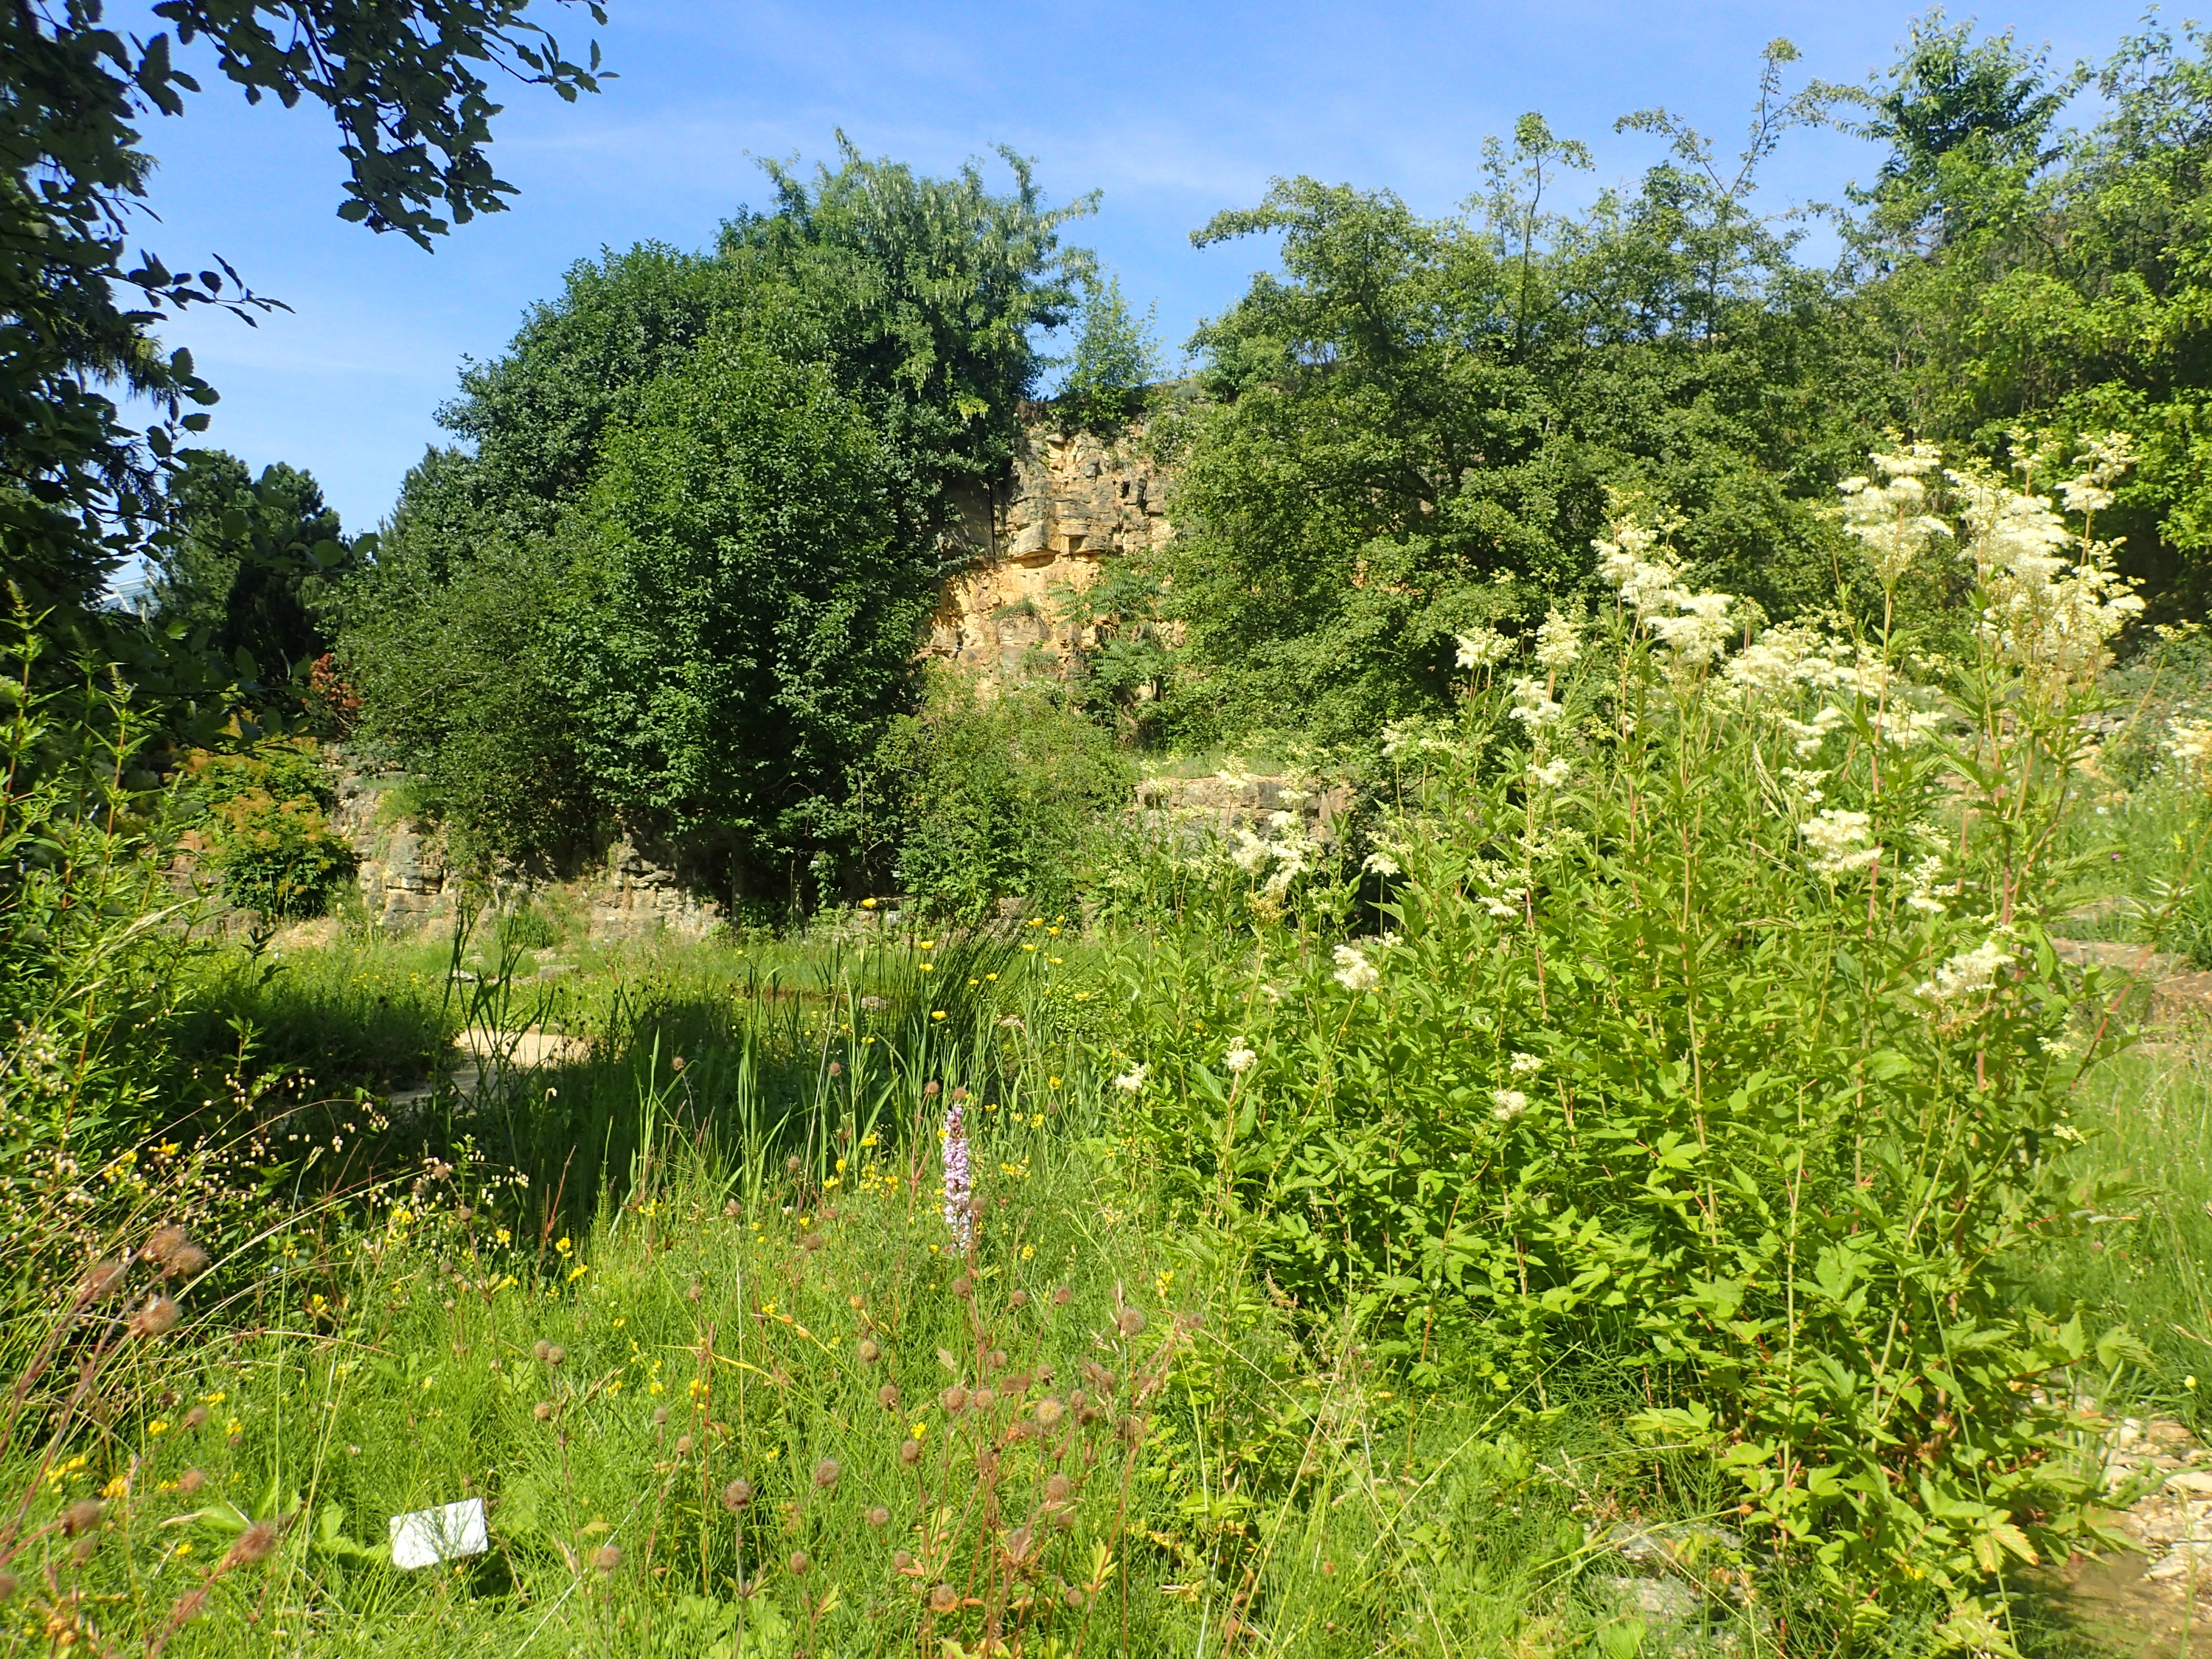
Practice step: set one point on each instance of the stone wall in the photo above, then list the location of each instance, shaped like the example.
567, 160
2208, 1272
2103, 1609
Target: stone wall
1074, 501
407, 886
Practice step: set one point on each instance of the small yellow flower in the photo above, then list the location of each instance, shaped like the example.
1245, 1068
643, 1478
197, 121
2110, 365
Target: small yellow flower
926, 968
1052, 1083
116, 1488
504, 1236
234, 1427
928, 944
917, 1430
158, 1426
656, 1386
1029, 1252
1029, 947
867, 1140
937, 1014
563, 1245
578, 1270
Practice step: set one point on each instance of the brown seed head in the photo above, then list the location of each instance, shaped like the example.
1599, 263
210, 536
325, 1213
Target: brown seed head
7, 1586
887, 1396
1060, 1296
86, 1547
162, 1241
683, 1445
543, 1411
692, 1292
799, 1563
736, 1495
944, 1598
929, 1090
902, 1559
870, 1353
660, 1417
791, 1165
1073, 1597
103, 1279
1018, 1299
542, 1349
81, 1517
254, 1545
1128, 1321
157, 1318
955, 1399
962, 1286
826, 1473
1048, 1413
187, 1261
836, 1069
190, 1481
1057, 1489
195, 1419
909, 1452
556, 1354
811, 1243
607, 1557
997, 1361
879, 1517
983, 1399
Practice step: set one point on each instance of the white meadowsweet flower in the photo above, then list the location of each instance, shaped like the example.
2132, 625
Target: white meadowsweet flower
1841, 842
1482, 648
1132, 1080
1552, 773
1559, 641
1381, 864
1507, 1104
1967, 974
1525, 1065
1353, 970
1240, 1058
1921, 881
1498, 908
1533, 705
1890, 520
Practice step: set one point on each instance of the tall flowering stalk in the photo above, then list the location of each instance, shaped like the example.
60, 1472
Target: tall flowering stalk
959, 1180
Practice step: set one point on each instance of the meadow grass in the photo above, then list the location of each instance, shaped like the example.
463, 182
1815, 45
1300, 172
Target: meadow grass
1092, 1431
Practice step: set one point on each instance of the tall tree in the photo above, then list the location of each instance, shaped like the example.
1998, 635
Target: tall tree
79, 315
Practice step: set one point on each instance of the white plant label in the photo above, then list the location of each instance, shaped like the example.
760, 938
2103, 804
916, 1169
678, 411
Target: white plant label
423, 1538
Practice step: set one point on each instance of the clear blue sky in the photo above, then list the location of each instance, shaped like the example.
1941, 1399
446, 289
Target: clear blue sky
1174, 111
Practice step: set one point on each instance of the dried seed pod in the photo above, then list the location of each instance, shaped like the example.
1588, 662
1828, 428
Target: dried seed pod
606, 1559
811, 1243
683, 1445
983, 1399
157, 1318
692, 1292
1048, 1413
879, 1517
556, 1354
103, 1279
930, 1090
1060, 1296
7, 1586
161, 1240
187, 1261
799, 1563
736, 1495
902, 1559
1056, 1489
195, 1419
1064, 1520
86, 1547
732, 1210
909, 1452
190, 1482
791, 1165
954, 1399
869, 1352
81, 1517
1077, 1398
543, 1411
254, 1545
660, 1417
1129, 1322
944, 1598
1018, 1299
962, 1286
888, 1395
1073, 1597
826, 1473
542, 1349
996, 1359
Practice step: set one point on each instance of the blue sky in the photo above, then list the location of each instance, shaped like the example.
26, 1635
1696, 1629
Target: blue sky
1173, 110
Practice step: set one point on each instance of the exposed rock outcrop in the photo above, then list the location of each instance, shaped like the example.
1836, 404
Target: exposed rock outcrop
1074, 501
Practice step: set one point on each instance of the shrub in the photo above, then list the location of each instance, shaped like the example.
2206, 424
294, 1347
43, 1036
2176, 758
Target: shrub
1716, 1047
999, 800
279, 858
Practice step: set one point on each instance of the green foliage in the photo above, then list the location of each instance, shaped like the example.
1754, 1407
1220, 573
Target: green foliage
260, 813
250, 565
680, 582
1414, 427
1716, 1046
998, 800
77, 486
1115, 358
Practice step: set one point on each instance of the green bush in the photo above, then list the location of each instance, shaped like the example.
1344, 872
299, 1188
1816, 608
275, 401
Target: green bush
999, 800
1715, 1049
278, 857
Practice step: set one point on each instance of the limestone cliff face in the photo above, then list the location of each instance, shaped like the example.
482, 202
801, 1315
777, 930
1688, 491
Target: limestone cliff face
1074, 501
